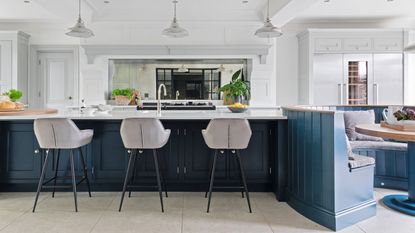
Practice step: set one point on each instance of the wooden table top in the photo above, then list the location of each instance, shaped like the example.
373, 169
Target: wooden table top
377, 131
30, 112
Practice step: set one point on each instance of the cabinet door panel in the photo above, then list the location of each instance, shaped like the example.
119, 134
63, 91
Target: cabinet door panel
388, 44
357, 44
168, 160
328, 44
110, 156
18, 146
328, 79
5, 65
255, 158
198, 157
388, 79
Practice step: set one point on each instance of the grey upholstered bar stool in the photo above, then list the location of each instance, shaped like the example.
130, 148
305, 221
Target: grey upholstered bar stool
140, 134
228, 134
61, 134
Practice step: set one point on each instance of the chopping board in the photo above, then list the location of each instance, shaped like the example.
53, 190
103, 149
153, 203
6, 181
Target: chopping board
26, 112
410, 128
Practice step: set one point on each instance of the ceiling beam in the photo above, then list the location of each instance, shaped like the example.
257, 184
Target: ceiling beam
68, 10
283, 11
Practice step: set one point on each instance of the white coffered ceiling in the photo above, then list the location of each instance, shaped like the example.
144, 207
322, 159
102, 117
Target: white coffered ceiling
358, 10
282, 11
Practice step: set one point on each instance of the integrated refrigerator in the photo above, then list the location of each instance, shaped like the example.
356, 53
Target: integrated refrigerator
358, 79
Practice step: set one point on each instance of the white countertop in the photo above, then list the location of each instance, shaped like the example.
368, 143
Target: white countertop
253, 114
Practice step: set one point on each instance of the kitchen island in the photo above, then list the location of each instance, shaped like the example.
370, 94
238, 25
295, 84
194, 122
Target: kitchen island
184, 160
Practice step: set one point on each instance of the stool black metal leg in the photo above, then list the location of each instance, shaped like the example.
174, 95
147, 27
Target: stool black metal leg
244, 180
42, 176
239, 171
212, 177
134, 171
210, 173
163, 183
73, 180
158, 179
56, 171
85, 169
127, 175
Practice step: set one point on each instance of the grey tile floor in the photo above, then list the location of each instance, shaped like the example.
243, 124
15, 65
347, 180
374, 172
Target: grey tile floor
185, 212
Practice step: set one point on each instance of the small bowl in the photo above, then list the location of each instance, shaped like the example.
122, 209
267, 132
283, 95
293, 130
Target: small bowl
237, 110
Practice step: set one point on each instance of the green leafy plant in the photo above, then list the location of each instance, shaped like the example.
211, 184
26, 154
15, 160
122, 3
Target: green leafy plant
123, 92
13, 94
237, 87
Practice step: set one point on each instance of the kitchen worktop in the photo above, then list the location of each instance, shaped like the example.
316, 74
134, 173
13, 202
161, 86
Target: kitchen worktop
253, 114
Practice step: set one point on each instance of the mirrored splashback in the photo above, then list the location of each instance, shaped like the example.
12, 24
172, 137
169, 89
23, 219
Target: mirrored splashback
184, 79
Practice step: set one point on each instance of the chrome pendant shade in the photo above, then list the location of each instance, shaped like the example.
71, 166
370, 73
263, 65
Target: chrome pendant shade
175, 31
79, 30
268, 30
410, 48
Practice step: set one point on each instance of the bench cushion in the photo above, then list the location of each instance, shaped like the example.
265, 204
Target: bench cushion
355, 160
353, 118
358, 161
373, 145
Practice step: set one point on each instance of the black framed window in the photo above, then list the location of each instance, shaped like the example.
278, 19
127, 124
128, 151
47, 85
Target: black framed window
194, 84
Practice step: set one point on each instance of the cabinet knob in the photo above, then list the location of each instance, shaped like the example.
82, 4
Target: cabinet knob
36, 151
70, 97
129, 151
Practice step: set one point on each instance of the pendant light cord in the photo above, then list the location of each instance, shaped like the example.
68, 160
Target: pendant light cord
268, 10
175, 3
79, 9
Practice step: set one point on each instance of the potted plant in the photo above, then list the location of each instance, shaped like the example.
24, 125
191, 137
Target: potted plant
122, 96
236, 90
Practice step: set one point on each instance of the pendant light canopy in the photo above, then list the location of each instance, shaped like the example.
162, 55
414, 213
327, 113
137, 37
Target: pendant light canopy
79, 30
175, 31
268, 30
183, 69
221, 68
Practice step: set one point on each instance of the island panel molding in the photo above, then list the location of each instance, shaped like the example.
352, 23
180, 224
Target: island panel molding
261, 50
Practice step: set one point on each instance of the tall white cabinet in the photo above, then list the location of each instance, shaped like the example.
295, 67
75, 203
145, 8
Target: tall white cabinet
14, 57
351, 66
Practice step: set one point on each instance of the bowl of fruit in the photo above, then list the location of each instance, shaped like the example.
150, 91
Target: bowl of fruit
405, 116
238, 107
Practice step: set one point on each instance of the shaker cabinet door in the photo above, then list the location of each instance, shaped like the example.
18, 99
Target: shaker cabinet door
20, 154
328, 80
388, 79
5, 65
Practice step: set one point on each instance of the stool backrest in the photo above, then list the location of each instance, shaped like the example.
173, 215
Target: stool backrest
143, 133
54, 133
227, 134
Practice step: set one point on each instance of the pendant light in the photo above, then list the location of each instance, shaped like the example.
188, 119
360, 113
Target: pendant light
268, 30
410, 48
79, 30
183, 69
175, 31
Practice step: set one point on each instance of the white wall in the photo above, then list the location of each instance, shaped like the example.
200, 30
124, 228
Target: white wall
273, 83
93, 77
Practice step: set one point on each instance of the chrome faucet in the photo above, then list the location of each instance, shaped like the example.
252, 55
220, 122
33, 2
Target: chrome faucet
177, 94
159, 98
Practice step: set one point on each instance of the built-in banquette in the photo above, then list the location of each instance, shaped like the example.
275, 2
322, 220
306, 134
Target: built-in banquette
320, 182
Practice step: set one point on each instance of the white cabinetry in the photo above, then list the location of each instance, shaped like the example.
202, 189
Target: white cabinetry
14, 51
351, 66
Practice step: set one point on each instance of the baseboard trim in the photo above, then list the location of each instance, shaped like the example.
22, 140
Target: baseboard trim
334, 221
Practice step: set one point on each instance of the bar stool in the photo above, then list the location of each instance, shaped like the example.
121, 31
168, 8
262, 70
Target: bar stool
140, 134
228, 134
61, 134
